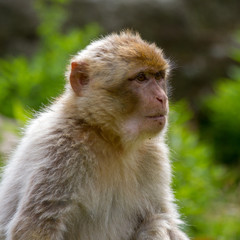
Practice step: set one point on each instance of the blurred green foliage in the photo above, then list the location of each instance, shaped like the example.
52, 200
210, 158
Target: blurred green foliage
28, 83
198, 182
222, 118
31, 82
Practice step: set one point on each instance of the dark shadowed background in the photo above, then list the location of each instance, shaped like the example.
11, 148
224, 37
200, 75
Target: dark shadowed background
195, 34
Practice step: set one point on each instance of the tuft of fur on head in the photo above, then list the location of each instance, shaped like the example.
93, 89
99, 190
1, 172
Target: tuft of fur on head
127, 48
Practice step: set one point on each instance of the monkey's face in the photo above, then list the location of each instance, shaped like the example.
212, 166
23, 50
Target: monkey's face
121, 85
149, 115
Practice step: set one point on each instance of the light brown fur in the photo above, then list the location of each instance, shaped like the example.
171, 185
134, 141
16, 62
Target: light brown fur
94, 165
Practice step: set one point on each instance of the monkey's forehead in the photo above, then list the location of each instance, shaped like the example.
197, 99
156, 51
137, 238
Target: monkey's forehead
144, 55
135, 49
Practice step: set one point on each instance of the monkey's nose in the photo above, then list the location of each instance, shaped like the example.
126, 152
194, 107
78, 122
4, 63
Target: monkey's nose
162, 100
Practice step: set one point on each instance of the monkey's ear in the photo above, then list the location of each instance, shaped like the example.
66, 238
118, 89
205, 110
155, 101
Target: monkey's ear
78, 76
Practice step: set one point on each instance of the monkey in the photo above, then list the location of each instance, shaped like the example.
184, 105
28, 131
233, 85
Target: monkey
94, 165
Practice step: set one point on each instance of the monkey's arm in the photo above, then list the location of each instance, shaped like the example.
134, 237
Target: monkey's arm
42, 212
159, 227
48, 200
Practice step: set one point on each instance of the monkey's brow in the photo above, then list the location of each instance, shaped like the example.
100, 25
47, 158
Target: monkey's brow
147, 72
155, 72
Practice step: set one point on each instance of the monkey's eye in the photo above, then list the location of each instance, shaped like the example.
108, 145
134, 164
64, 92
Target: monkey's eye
160, 75
141, 77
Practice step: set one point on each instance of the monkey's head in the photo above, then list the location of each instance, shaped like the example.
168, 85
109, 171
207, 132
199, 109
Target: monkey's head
119, 85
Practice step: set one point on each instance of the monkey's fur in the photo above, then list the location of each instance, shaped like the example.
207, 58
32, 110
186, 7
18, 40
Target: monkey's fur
90, 167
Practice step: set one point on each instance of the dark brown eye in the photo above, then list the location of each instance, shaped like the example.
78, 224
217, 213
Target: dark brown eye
141, 77
160, 75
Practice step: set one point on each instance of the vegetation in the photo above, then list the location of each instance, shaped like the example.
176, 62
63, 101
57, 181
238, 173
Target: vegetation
206, 191
32, 82
201, 186
222, 119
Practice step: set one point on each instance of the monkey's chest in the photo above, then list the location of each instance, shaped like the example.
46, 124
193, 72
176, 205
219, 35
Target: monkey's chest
111, 211
112, 220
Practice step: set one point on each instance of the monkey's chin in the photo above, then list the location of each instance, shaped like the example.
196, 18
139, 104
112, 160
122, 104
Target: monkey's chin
155, 123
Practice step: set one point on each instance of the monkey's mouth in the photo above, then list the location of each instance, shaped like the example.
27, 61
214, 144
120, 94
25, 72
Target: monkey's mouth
156, 117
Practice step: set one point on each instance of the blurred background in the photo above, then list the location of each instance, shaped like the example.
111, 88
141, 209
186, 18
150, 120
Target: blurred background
202, 38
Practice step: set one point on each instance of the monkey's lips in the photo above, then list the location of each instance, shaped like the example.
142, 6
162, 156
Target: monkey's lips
158, 117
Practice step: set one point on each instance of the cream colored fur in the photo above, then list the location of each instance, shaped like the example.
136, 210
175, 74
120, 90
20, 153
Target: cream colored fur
72, 178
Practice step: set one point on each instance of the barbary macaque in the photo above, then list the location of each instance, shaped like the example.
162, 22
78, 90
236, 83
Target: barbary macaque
94, 165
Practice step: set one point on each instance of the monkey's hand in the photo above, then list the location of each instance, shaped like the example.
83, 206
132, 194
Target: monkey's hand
159, 228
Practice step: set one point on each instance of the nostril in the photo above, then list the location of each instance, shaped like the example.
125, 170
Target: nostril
159, 99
